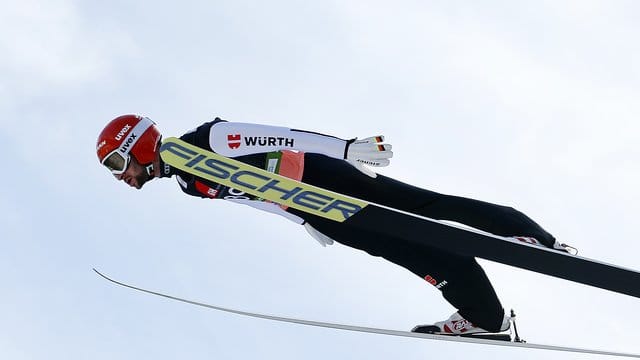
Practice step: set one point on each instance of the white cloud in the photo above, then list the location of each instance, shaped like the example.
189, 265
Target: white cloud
52, 53
51, 44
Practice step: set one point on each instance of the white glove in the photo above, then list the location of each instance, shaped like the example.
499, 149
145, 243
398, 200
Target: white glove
323, 239
369, 151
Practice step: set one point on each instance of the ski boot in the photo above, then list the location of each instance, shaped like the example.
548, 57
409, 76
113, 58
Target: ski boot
456, 325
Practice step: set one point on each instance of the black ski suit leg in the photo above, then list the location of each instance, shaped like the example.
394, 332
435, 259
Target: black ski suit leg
467, 286
339, 176
492, 218
461, 280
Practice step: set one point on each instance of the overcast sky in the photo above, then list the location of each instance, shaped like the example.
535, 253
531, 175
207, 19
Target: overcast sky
521, 103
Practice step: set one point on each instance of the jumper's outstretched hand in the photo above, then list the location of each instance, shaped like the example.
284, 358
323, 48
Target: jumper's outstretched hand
368, 151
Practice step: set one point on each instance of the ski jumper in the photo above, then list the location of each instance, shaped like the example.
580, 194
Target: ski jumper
461, 280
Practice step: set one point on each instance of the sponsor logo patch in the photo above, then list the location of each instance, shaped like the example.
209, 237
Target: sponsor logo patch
268, 141
431, 280
462, 325
434, 282
234, 141
206, 190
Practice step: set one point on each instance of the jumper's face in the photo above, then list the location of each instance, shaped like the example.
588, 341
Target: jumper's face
135, 175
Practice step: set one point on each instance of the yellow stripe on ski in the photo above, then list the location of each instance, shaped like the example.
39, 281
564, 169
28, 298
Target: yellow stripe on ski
252, 180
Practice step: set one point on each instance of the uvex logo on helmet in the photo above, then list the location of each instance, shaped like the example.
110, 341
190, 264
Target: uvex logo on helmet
126, 144
123, 132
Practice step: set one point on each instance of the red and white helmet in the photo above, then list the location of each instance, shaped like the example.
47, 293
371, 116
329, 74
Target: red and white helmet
124, 136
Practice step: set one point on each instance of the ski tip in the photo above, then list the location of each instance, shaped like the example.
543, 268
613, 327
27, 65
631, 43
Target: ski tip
102, 275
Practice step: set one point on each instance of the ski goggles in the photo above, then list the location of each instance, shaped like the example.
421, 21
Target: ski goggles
116, 162
119, 159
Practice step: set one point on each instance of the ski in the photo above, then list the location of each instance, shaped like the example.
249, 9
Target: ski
362, 329
396, 223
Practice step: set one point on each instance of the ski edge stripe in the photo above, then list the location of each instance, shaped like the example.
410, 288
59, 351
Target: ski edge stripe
363, 329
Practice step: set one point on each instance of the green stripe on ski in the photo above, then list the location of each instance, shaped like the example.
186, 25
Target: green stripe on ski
252, 180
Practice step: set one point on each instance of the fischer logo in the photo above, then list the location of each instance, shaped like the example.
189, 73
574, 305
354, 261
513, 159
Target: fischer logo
235, 141
260, 182
123, 132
